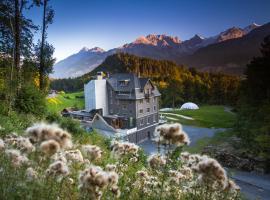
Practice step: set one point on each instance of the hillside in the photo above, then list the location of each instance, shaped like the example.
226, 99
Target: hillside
177, 83
229, 56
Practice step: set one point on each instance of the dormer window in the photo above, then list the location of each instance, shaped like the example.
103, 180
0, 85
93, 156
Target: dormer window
124, 82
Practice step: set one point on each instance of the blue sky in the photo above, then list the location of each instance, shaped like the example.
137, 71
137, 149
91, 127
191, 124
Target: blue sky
112, 23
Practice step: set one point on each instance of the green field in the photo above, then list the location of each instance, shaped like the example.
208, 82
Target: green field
217, 139
61, 101
207, 116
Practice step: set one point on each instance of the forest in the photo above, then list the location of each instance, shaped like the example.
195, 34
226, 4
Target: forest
24, 65
177, 84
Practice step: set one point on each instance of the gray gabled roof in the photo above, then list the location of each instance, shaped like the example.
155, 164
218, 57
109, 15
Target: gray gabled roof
134, 84
132, 79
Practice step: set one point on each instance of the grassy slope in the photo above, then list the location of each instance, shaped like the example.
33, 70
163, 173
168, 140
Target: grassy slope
62, 101
206, 116
218, 138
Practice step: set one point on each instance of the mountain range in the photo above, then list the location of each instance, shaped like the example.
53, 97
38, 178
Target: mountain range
228, 51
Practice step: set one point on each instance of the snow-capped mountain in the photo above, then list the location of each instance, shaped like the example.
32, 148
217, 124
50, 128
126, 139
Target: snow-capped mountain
154, 46
231, 33
251, 27
79, 63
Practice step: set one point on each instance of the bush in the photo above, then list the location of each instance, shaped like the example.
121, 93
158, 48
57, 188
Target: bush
30, 100
15, 123
69, 124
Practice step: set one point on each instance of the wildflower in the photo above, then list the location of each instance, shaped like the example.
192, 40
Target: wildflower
16, 158
171, 134
232, 187
74, 155
142, 173
93, 151
40, 132
93, 180
124, 148
2, 145
187, 172
31, 174
211, 172
20, 142
115, 190
70, 181
110, 167
133, 159
25, 145
49, 147
156, 161
86, 161
58, 168
59, 156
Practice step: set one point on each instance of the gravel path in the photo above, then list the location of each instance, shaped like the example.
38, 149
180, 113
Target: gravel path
177, 115
194, 133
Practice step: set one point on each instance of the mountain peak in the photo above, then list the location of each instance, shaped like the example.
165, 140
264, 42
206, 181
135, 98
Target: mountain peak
97, 49
84, 49
94, 50
250, 27
231, 33
155, 39
194, 41
196, 36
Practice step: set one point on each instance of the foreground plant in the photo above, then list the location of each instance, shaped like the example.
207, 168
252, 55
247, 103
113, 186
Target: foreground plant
46, 163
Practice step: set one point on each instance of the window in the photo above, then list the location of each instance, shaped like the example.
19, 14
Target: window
141, 122
154, 108
148, 109
141, 101
123, 82
148, 120
124, 107
155, 118
111, 93
147, 100
111, 101
141, 110
111, 111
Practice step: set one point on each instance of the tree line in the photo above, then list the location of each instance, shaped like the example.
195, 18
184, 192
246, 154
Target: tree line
253, 124
24, 65
177, 84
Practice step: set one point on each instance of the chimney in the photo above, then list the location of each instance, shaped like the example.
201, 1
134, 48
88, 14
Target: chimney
99, 75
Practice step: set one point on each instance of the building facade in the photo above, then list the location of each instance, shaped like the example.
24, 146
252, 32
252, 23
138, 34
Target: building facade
132, 103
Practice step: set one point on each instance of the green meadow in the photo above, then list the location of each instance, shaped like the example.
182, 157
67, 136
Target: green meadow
61, 101
210, 116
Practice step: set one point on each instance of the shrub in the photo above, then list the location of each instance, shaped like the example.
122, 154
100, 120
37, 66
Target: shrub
120, 173
69, 124
30, 100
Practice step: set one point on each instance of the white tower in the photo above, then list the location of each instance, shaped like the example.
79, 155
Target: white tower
95, 93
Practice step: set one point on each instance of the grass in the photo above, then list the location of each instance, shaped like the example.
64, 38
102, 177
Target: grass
217, 139
61, 101
207, 116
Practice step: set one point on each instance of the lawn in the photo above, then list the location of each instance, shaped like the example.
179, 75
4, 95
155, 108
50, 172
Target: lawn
207, 116
218, 138
61, 101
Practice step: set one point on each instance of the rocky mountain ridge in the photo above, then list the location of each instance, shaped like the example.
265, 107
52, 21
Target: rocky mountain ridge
158, 46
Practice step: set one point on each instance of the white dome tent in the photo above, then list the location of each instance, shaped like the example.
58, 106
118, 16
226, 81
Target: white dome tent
189, 106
